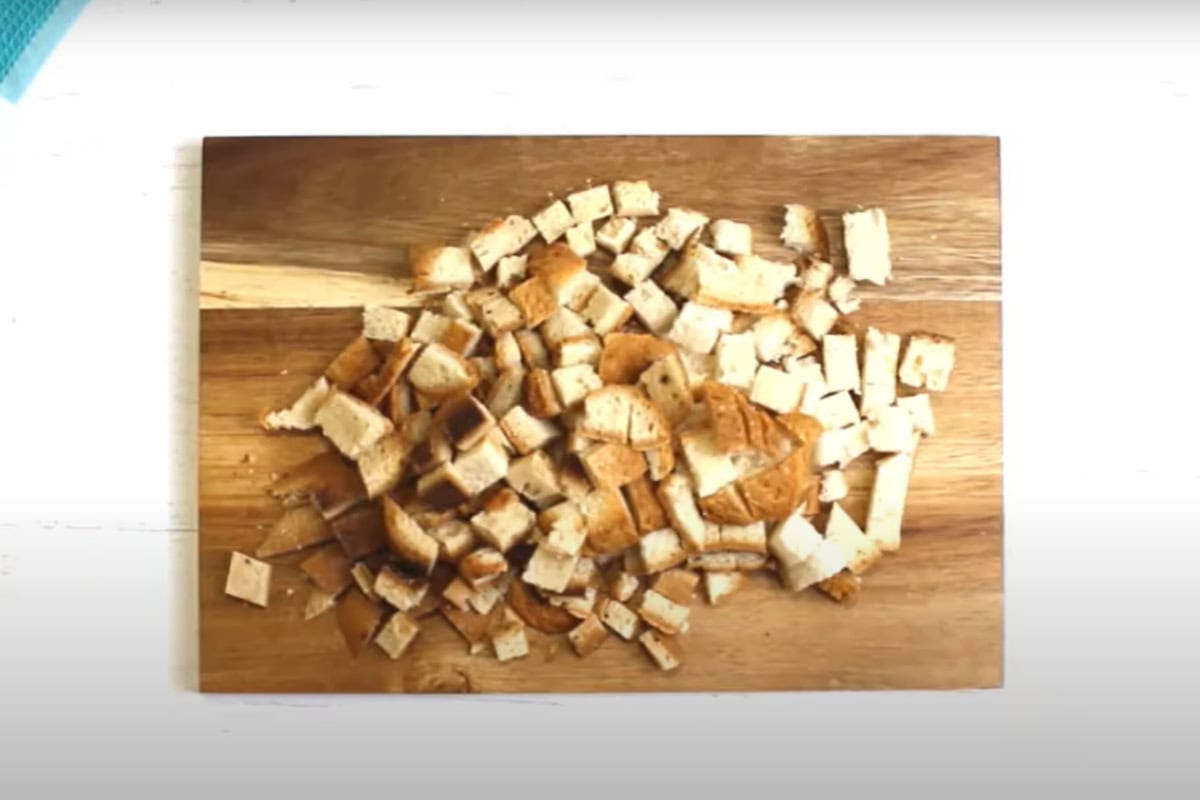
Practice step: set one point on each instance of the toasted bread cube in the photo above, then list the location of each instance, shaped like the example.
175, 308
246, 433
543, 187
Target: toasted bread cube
816, 277
481, 466
890, 430
499, 238
683, 277
678, 226
352, 425
888, 496
920, 411
581, 239
653, 307
606, 310
481, 566
298, 528
396, 635
455, 305
301, 415
549, 570
538, 395
881, 354
430, 327
565, 273
660, 461
553, 221
562, 326
441, 268
664, 650
804, 231
699, 367
574, 383
772, 336
697, 327
606, 413
675, 493
616, 234
455, 539
590, 204
647, 511
661, 550
381, 464
356, 361
504, 520
711, 469
403, 594
837, 411
833, 486
576, 350
868, 247
648, 426
611, 465
720, 585
677, 585
666, 383
635, 199
509, 641
662, 613
840, 356
440, 372
610, 528
814, 314
731, 238
458, 594
465, 421
565, 529
646, 243
841, 294
632, 268
928, 361
860, 552
623, 585
626, 355
736, 360
505, 392
495, 312
510, 271
526, 432
249, 579
777, 390
535, 301
385, 324
535, 477
407, 539
750, 538
587, 636
619, 618
842, 587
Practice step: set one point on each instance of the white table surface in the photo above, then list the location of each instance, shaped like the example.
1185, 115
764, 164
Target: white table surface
99, 221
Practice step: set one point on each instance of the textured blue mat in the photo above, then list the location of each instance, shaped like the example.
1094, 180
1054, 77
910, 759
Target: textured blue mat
29, 30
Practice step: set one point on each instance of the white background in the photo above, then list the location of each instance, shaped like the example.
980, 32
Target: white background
99, 221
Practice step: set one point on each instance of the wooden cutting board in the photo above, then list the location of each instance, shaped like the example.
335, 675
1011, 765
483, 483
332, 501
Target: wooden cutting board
299, 233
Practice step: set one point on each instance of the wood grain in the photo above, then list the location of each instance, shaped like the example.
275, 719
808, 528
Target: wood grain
928, 617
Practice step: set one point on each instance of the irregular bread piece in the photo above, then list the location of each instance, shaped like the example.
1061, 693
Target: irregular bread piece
697, 327
646, 243
298, 528
590, 204
861, 552
535, 300
868, 245
509, 640
615, 234
661, 550
623, 585
526, 432
565, 530
773, 335
660, 461
825, 562
842, 294
777, 390
249, 579
549, 570
774, 492
553, 221
436, 267
439, 372
360, 531
581, 239
720, 585
626, 355
804, 557
928, 361
920, 411
407, 539
632, 268
750, 283
329, 569
482, 566
890, 430
619, 617
455, 539
731, 238
376, 386
351, 424
382, 464
700, 367
679, 225
647, 512
300, 415
510, 271
396, 635
683, 277
887, 500
840, 357
736, 360
662, 613
611, 465
504, 520
675, 494
355, 362
653, 307
750, 538
881, 354
458, 593
535, 477
665, 382
606, 310
326, 480
587, 636
833, 486
804, 231
842, 587
398, 591
677, 585
385, 324
813, 314
495, 312
499, 238
319, 601
635, 199
664, 650
358, 618
610, 529
816, 276
711, 469
538, 395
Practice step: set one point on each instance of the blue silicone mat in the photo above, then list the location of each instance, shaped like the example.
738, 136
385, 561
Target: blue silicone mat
29, 30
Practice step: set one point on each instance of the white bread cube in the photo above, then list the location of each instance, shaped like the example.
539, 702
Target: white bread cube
731, 238
505, 391
920, 411
663, 613
841, 294
683, 277
661, 550
840, 355
590, 204
888, 496
699, 367
777, 390
506, 352
720, 585
814, 314
616, 234
587, 636
581, 239
711, 469
455, 306
679, 225
381, 464
398, 591
698, 327
825, 562
856, 442
441, 268
499, 238
666, 384
606, 310
549, 570
565, 534
868, 247
352, 425
526, 432
495, 312
881, 355
646, 243
652, 306
816, 277
584, 349
574, 383
794, 540
833, 486
396, 635
675, 494
635, 199
510, 271
533, 349
553, 221
302, 414
813, 378
623, 586
664, 650
249, 579
440, 372
504, 520
928, 361
737, 360
484, 598
509, 640
632, 268
482, 466
535, 478
455, 539
860, 552
385, 324
837, 411
562, 325
804, 231
430, 327
773, 334
606, 413
890, 430
619, 617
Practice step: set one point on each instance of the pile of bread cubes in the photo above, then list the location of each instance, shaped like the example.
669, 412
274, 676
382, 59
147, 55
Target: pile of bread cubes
570, 447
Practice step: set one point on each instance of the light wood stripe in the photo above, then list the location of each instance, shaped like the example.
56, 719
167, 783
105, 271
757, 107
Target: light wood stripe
230, 285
